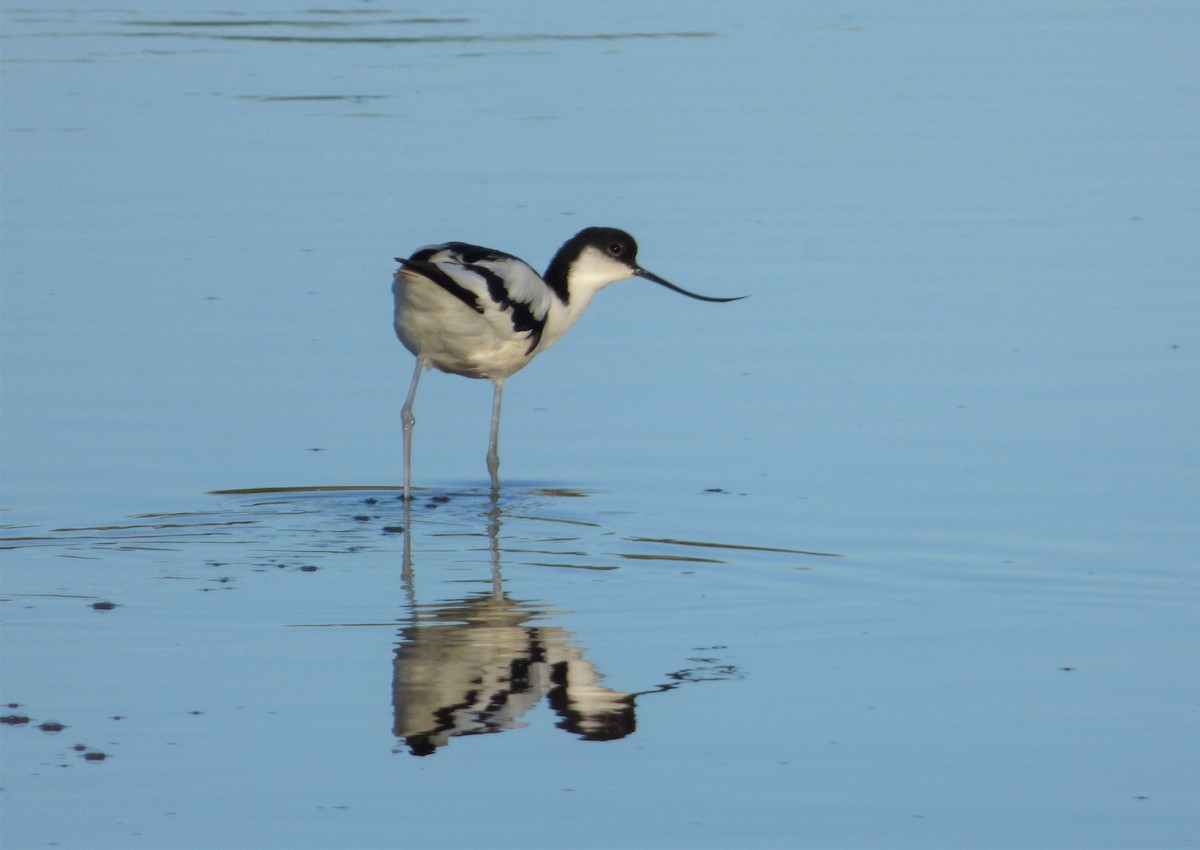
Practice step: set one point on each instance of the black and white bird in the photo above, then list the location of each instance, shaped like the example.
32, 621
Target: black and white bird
482, 313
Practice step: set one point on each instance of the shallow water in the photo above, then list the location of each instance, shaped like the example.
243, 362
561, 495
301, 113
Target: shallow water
900, 551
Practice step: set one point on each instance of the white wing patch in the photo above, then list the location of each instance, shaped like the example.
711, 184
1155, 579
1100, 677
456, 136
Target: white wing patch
504, 291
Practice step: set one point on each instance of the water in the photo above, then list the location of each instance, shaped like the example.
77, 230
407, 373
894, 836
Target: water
900, 551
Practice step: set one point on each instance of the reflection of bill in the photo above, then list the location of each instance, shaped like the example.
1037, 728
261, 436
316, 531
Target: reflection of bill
477, 665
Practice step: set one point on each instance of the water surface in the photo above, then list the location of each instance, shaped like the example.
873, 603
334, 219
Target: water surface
899, 551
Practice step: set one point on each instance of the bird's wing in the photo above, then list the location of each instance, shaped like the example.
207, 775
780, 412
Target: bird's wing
503, 289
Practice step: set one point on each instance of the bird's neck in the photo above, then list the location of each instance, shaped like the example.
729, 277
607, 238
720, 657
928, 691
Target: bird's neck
556, 278
563, 315
574, 277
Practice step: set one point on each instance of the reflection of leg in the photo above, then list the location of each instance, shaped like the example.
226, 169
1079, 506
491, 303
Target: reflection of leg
407, 418
494, 549
493, 455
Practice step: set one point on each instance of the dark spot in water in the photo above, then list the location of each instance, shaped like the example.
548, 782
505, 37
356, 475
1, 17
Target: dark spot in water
94, 755
714, 490
103, 606
362, 518
370, 501
440, 499
393, 529
1067, 669
195, 713
308, 568
51, 726
14, 719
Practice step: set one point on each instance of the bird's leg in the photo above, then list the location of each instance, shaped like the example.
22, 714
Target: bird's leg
493, 455
406, 417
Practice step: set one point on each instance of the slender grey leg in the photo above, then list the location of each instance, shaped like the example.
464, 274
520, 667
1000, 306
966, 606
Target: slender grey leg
406, 416
493, 455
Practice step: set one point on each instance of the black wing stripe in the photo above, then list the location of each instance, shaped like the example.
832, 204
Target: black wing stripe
469, 254
519, 313
432, 272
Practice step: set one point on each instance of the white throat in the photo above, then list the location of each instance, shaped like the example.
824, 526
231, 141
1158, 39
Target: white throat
592, 271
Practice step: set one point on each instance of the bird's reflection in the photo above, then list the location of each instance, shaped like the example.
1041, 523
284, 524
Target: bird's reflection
478, 664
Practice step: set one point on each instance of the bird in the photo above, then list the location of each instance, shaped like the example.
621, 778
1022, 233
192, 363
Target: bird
482, 313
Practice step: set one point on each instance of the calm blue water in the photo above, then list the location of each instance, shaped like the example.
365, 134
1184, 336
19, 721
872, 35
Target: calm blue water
898, 552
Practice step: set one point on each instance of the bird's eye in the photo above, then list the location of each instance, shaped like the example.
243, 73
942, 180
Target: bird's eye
616, 249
